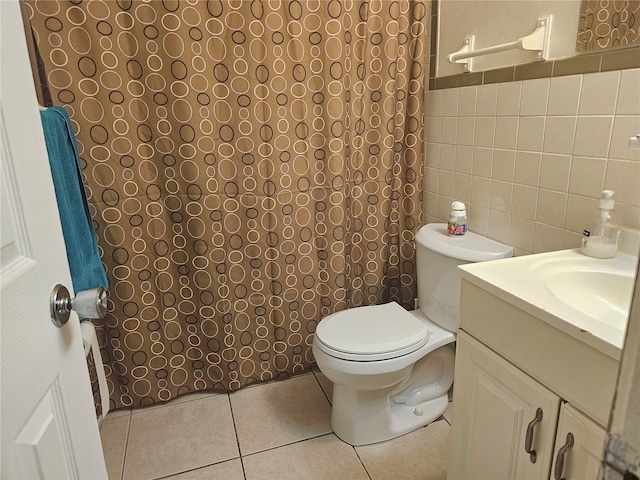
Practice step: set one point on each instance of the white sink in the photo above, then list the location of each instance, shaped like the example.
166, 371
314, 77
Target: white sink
585, 297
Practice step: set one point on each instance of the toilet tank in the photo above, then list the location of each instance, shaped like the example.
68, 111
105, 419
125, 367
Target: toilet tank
437, 258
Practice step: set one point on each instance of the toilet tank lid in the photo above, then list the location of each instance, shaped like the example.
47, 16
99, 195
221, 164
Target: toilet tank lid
470, 247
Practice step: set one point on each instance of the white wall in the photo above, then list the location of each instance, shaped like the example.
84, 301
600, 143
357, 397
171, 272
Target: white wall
500, 21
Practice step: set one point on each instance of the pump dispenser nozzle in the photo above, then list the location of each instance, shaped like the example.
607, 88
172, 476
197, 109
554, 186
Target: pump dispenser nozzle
602, 241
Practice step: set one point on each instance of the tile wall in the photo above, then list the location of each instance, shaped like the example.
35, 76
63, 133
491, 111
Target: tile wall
530, 158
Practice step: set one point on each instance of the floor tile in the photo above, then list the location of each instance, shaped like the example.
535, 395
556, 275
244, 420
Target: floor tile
113, 434
325, 384
229, 470
422, 454
121, 412
278, 413
322, 458
180, 437
180, 399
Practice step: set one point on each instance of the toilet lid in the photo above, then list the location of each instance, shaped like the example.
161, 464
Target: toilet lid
371, 330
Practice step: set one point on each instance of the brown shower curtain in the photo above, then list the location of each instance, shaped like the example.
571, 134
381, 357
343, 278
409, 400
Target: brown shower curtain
251, 167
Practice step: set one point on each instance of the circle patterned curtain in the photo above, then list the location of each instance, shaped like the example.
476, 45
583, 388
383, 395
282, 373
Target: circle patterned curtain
251, 167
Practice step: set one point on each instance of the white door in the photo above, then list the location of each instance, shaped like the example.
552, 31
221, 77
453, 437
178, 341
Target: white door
49, 428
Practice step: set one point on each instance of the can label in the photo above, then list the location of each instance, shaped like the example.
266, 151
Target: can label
457, 226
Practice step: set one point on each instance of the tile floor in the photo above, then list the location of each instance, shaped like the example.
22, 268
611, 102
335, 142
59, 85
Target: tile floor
279, 430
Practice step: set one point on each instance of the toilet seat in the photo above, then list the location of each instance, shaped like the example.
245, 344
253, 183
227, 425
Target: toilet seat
372, 333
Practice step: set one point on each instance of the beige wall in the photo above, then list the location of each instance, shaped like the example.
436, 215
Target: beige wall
530, 158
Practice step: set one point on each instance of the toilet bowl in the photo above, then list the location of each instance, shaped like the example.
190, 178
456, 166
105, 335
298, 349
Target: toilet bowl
392, 369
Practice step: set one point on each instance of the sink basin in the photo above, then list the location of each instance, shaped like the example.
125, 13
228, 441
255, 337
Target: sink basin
604, 296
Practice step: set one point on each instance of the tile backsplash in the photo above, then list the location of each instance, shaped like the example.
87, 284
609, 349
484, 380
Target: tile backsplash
530, 158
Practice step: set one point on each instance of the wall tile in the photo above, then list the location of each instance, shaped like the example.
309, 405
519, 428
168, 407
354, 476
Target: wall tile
466, 130
599, 93
462, 187
467, 101
624, 177
624, 128
450, 102
581, 213
434, 103
506, 132
521, 231
487, 100
480, 191
527, 168
431, 200
501, 196
447, 157
478, 219
564, 95
498, 226
434, 129
546, 238
535, 170
629, 93
535, 94
433, 155
449, 130
571, 240
504, 162
587, 176
551, 207
531, 133
554, 172
509, 98
445, 183
431, 176
464, 159
592, 136
525, 201
485, 131
444, 207
559, 134
482, 161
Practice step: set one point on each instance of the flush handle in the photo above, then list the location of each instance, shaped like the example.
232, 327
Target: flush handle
557, 472
528, 441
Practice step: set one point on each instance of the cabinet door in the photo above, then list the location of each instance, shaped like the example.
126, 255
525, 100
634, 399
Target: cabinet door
579, 446
494, 403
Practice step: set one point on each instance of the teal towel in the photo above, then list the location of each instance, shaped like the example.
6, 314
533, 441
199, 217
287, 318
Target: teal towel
79, 238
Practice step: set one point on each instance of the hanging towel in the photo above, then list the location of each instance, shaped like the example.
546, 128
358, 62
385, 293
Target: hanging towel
77, 227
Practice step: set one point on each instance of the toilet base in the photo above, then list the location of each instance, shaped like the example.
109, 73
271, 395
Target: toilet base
367, 426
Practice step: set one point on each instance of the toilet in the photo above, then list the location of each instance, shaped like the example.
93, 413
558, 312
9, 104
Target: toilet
392, 369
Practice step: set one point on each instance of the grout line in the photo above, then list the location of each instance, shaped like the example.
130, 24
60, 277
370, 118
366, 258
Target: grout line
361, 462
126, 447
235, 429
291, 443
196, 468
325, 393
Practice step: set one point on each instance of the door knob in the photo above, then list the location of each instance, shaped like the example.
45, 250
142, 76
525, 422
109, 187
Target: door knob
90, 303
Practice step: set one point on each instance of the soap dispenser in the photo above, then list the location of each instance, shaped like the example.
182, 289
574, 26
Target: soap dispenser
602, 241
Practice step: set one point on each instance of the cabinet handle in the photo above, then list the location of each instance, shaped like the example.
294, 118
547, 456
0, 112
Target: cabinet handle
529, 438
557, 473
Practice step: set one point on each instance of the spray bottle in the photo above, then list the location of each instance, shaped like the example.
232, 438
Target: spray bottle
602, 241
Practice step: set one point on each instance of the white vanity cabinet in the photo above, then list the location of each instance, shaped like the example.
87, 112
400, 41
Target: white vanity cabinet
522, 385
579, 446
504, 421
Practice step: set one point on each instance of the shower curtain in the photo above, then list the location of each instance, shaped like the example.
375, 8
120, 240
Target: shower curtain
251, 166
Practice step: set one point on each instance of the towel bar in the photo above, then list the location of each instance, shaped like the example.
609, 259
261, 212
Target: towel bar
538, 40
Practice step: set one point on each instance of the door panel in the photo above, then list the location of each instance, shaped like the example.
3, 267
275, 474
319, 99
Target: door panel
49, 429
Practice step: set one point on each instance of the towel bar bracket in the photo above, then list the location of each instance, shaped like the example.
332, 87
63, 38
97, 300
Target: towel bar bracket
538, 40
